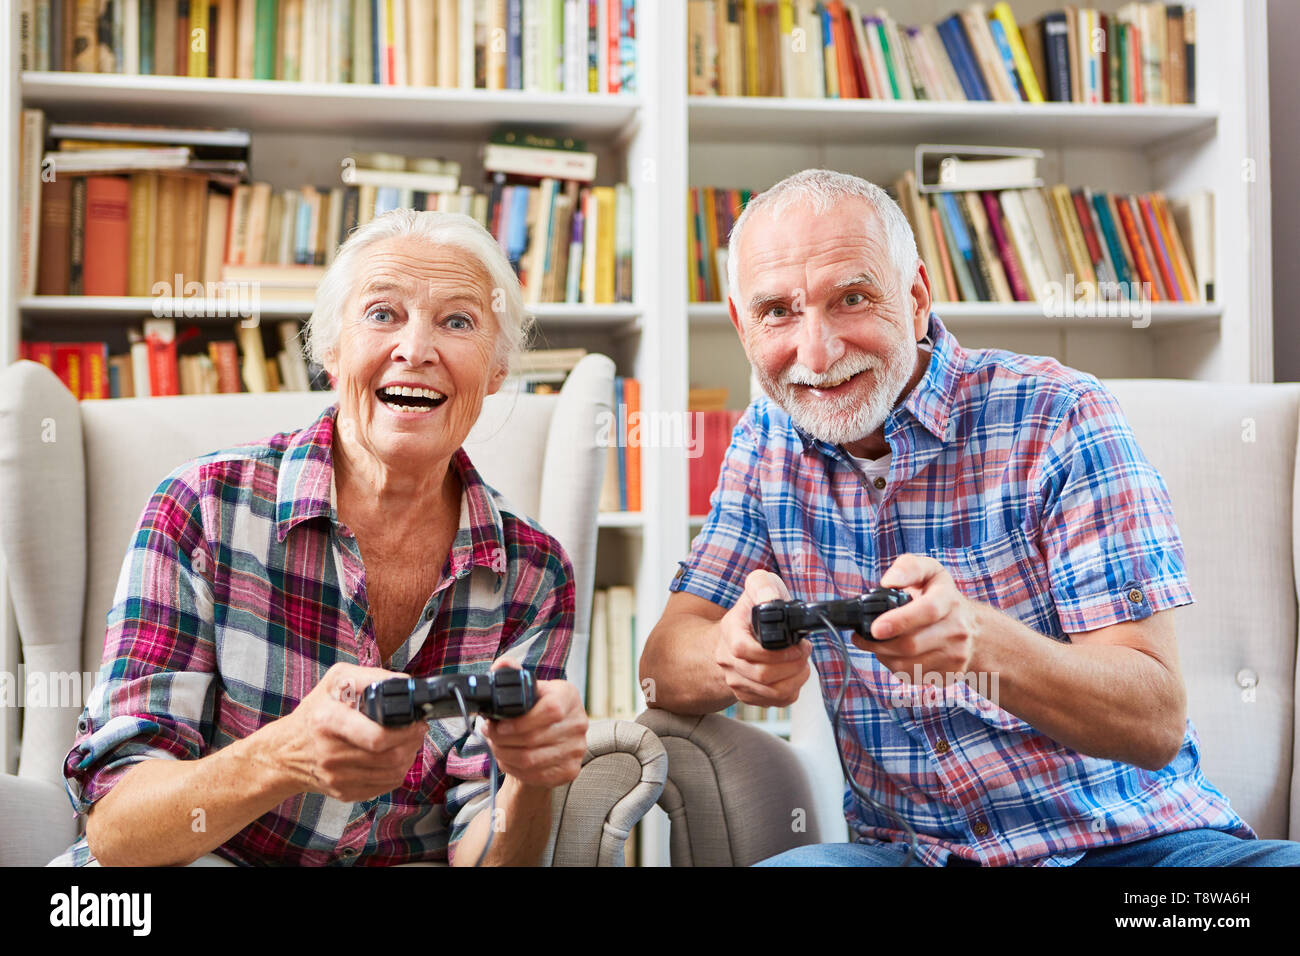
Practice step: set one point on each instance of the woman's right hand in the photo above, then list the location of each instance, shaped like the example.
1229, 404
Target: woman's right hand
330, 747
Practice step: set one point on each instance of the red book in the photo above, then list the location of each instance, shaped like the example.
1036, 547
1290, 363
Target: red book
1158, 249
698, 502
42, 352
613, 20
840, 43
632, 399
1006, 251
67, 366
1083, 209
225, 357
108, 235
94, 370
164, 370
1135, 245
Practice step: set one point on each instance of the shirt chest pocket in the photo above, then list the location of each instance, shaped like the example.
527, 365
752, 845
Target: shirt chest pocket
1007, 573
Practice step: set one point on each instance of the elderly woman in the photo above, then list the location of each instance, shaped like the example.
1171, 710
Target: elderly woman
268, 584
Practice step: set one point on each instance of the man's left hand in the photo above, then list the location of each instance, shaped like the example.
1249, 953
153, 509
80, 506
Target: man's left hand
937, 629
544, 747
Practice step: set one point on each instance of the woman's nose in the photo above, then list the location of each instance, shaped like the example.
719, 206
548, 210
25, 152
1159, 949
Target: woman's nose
416, 344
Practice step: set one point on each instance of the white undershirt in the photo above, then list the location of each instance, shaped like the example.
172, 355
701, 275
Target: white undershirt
876, 471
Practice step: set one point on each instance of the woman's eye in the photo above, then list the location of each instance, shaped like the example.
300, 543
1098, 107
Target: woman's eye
460, 321
382, 316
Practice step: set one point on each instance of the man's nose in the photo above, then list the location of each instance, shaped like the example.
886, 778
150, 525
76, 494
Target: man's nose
820, 345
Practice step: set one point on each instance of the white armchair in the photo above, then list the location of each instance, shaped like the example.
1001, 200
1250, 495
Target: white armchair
75, 476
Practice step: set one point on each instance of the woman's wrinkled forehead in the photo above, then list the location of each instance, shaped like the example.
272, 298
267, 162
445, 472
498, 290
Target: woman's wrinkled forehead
418, 269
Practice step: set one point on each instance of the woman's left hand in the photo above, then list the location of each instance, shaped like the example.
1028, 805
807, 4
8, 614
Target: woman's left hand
544, 747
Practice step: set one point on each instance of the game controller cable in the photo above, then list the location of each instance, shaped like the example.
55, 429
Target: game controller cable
838, 643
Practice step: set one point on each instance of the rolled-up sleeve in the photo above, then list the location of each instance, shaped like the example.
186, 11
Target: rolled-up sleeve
1107, 528
155, 694
540, 612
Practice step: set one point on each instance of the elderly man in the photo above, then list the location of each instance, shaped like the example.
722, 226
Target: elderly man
1006, 495
266, 585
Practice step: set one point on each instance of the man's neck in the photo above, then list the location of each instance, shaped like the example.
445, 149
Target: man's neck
874, 445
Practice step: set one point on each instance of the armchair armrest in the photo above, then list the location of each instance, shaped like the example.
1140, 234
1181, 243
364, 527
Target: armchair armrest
36, 821
735, 794
623, 773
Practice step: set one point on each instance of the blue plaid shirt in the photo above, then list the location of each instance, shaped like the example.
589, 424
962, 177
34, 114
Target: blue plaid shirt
1023, 479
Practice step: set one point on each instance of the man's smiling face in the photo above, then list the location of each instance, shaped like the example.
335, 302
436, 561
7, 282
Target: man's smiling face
829, 325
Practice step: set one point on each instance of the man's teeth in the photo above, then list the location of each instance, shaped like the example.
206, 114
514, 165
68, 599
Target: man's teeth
835, 384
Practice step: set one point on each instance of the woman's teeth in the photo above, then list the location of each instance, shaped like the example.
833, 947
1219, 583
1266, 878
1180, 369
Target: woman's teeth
406, 398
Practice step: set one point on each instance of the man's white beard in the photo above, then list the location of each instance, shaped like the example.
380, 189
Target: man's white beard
847, 419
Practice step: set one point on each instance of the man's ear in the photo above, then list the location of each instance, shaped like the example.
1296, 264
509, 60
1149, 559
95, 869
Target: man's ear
921, 301
735, 319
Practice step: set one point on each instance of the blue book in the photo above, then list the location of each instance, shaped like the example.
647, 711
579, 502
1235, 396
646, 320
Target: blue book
620, 431
514, 44
1008, 61
828, 39
1111, 234
964, 247
302, 236
387, 198
517, 227
956, 43
627, 47
376, 43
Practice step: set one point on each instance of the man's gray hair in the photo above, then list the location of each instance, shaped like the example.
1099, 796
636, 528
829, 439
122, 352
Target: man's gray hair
453, 229
821, 189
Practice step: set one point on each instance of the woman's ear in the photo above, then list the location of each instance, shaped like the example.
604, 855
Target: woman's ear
499, 375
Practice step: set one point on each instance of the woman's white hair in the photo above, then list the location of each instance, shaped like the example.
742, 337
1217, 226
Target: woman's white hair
437, 228
821, 189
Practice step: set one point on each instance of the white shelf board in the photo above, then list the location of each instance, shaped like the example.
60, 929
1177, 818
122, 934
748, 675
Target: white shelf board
116, 308
630, 520
959, 315
360, 108
758, 118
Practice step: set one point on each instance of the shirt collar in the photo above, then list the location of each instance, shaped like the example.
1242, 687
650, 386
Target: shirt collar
305, 490
930, 402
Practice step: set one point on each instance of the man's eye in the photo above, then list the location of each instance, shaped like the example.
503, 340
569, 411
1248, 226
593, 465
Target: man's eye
772, 313
854, 298
460, 321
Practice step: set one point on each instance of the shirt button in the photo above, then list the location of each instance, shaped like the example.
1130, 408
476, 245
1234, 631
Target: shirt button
980, 828
941, 746
1135, 596
879, 483
348, 852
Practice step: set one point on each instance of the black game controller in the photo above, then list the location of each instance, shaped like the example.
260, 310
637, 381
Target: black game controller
779, 624
496, 695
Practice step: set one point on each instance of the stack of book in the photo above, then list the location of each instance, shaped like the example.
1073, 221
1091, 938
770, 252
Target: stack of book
622, 435
1047, 245
543, 371
710, 215
1143, 53
162, 362
543, 46
1056, 244
100, 219
612, 657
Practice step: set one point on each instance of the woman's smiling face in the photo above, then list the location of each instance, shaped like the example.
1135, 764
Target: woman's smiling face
418, 351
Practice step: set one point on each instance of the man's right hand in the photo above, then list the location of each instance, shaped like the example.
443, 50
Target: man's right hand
754, 675
330, 747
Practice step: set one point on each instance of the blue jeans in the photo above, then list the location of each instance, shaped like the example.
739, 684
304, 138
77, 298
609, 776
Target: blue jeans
1188, 848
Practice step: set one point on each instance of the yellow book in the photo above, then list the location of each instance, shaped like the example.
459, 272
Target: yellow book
200, 39
692, 284
785, 23
1075, 244
1018, 52
751, 48
140, 275
604, 243
708, 210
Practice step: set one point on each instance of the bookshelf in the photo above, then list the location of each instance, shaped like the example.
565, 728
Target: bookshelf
663, 141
